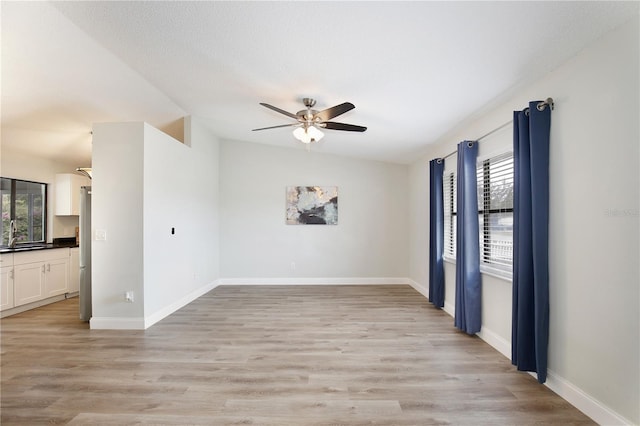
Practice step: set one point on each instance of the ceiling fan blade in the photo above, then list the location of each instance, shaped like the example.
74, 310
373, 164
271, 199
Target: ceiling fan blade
343, 126
281, 111
276, 127
334, 111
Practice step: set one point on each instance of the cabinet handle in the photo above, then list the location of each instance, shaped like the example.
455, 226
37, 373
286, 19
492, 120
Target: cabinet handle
48, 267
11, 274
43, 269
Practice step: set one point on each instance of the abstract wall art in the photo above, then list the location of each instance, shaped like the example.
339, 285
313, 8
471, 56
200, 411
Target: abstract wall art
312, 205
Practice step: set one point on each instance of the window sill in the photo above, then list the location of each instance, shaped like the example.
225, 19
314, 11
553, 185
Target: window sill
496, 273
449, 260
485, 270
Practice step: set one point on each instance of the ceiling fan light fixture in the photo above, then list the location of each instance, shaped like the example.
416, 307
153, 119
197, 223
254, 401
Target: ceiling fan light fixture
301, 135
308, 135
315, 133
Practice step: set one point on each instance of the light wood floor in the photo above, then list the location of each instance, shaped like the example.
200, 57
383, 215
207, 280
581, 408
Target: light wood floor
268, 355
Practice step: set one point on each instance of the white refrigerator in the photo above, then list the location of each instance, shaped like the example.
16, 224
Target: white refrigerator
85, 253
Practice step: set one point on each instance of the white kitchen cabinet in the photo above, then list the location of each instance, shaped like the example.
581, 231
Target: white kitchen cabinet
6, 287
28, 282
74, 270
56, 277
68, 193
40, 274
6, 259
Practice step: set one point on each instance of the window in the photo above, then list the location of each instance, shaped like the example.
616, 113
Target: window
450, 207
495, 213
24, 203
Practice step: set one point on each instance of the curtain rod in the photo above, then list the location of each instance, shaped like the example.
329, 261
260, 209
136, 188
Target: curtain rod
541, 106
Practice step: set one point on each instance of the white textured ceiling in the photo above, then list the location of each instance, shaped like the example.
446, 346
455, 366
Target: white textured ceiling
414, 70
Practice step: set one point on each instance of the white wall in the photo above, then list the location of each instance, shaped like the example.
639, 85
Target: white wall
145, 183
594, 227
117, 209
180, 192
370, 240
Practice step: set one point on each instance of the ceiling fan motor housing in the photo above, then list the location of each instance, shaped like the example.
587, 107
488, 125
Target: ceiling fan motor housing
307, 115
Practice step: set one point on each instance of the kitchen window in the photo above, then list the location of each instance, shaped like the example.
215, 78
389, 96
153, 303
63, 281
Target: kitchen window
24, 206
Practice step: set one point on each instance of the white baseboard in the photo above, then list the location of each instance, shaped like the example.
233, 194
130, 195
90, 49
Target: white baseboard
496, 341
138, 323
590, 406
314, 281
116, 323
185, 300
423, 290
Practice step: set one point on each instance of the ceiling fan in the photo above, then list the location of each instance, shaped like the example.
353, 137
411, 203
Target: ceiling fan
309, 121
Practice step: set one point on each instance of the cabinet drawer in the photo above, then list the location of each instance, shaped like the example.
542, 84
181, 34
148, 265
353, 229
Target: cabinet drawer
40, 255
59, 253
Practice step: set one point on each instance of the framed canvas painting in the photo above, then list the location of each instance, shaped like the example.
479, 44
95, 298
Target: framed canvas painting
312, 205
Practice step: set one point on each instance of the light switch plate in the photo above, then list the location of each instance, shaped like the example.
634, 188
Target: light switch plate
101, 235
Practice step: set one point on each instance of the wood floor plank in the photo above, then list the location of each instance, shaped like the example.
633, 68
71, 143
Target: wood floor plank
268, 355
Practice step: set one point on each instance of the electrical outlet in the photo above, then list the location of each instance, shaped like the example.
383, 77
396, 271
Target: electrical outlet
128, 296
293, 266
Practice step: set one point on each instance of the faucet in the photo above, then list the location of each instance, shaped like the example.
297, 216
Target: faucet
12, 234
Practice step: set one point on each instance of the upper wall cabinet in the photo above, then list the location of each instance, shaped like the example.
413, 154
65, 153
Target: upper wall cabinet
68, 193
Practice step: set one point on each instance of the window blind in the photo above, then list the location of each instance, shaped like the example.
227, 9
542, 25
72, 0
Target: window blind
450, 206
495, 211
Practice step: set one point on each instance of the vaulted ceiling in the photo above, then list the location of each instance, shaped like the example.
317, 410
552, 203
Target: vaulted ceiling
414, 70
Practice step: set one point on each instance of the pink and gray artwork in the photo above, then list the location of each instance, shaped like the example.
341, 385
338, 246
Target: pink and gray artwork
312, 205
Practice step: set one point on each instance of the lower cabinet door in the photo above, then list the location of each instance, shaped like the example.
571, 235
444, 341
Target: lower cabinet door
6, 288
56, 279
28, 282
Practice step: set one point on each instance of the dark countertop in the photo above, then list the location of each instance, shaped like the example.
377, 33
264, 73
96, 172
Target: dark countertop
38, 246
